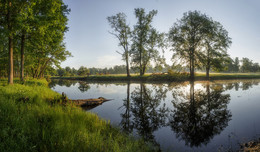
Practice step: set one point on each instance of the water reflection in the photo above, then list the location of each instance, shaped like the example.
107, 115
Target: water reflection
191, 113
143, 111
147, 115
61, 82
83, 86
126, 121
200, 115
239, 85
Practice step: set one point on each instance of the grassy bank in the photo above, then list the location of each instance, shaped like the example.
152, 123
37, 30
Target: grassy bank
29, 122
164, 77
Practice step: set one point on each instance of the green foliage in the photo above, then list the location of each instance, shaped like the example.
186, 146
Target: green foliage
215, 45
61, 72
29, 123
249, 66
122, 32
146, 41
82, 71
37, 28
198, 41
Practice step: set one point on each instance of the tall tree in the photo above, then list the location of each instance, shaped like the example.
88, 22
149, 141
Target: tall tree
122, 32
43, 23
24, 26
236, 65
83, 71
246, 65
8, 18
216, 42
186, 38
47, 34
146, 41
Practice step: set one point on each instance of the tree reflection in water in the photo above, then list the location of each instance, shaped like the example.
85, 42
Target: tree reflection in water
144, 111
126, 122
61, 82
83, 86
199, 115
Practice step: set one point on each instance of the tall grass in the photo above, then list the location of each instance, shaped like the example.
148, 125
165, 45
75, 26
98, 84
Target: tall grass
36, 125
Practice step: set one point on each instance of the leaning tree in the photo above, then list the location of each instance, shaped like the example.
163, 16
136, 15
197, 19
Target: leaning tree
122, 32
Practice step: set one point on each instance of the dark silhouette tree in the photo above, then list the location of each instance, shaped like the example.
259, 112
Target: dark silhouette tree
144, 111
199, 41
216, 42
198, 116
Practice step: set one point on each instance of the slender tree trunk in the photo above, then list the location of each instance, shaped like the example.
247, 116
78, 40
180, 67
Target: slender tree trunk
11, 61
144, 67
127, 65
208, 65
44, 68
141, 73
22, 57
207, 72
128, 107
192, 108
208, 96
192, 65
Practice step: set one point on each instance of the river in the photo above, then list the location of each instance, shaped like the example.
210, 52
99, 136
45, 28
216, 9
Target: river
187, 116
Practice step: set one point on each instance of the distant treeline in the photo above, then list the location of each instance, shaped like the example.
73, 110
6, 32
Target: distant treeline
84, 71
244, 65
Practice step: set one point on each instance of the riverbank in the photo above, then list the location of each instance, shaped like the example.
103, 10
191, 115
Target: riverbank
33, 120
164, 77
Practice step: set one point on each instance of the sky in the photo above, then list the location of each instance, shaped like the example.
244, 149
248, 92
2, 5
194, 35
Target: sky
91, 44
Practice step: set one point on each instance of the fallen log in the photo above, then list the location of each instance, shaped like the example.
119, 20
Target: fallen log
89, 102
85, 103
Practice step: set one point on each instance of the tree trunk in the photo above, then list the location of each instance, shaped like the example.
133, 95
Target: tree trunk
208, 65
207, 72
128, 108
127, 66
192, 65
143, 69
22, 57
11, 62
141, 73
192, 107
44, 68
208, 96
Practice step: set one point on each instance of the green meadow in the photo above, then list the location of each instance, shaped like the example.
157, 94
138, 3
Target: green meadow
33, 119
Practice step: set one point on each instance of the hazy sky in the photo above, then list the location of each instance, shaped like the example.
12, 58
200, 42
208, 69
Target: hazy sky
92, 46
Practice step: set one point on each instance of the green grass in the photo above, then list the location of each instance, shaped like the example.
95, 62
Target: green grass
227, 76
36, 125
164, 77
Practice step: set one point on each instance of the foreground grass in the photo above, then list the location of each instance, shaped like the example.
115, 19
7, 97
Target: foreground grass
29, 123
163, 77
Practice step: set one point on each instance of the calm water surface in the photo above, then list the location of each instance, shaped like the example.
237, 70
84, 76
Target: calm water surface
199, 116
